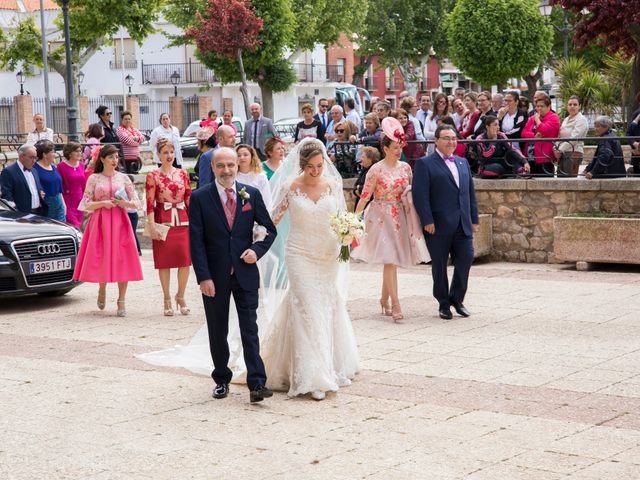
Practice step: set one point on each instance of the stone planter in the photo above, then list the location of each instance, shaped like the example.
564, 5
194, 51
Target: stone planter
483, 238
587, 240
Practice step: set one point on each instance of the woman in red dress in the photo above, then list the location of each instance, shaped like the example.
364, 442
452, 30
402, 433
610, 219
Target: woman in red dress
168, 192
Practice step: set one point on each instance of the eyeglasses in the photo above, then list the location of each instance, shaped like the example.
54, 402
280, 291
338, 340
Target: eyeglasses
324, 106
339, 130
448, 139
442, 101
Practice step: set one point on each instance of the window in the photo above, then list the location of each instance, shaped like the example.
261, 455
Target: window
128, 46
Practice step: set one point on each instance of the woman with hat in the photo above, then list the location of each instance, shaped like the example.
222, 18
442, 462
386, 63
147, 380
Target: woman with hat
393, 238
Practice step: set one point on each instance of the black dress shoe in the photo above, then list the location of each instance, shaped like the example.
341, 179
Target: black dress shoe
461, 310
259, 393
445, 313
221, 390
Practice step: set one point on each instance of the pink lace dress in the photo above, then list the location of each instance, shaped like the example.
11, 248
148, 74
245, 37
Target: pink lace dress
387, 237
108, 252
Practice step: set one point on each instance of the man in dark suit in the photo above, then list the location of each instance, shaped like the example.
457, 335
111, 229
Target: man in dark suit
20, 184
257, 130
445, 200
221, 218
323, 113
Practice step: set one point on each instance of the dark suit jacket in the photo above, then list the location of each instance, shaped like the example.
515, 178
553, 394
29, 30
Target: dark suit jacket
327, 119
437, 198
215, 248
265, 130
14, 187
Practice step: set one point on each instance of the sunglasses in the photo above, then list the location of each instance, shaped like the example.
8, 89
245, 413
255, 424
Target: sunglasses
108, 114
324, 106
340, 130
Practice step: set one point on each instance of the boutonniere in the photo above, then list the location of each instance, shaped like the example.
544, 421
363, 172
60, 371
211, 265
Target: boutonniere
244, 195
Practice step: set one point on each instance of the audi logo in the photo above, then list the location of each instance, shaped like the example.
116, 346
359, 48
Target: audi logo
48, 249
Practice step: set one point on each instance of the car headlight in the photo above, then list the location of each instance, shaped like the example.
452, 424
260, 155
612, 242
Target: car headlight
79, 237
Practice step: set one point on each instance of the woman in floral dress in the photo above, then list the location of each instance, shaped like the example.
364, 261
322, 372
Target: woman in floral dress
108, 252
390, 237
168, 192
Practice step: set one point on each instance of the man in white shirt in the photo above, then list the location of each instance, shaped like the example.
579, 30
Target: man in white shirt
19, 183
351, 113
425, 108
337, 116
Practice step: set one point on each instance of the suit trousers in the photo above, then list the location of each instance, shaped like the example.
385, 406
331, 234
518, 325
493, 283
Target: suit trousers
217, 313
460, 247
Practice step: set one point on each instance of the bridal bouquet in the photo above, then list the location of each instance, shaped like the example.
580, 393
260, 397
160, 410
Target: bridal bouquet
347, 227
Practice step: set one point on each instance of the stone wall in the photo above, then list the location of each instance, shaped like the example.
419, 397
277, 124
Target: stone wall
523, 210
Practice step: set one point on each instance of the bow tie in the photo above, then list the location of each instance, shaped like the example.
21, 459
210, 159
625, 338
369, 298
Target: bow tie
449, 159
27, 169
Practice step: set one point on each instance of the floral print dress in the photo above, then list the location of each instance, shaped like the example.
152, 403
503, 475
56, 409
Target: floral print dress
387, 237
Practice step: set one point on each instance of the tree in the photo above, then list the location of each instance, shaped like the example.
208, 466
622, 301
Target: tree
236, 22
492, 41
92, 24
288, 26
403, 35
614, 23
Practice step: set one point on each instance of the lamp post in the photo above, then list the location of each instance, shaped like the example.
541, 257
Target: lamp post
128, 80
175, 79
545, 11
71, 98
80, 80
20, 78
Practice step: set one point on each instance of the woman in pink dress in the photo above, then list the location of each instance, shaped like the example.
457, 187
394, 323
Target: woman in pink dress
108, 252
390, 237
168, 191
74, 181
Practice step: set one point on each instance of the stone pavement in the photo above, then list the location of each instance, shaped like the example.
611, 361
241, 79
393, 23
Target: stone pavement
541, 383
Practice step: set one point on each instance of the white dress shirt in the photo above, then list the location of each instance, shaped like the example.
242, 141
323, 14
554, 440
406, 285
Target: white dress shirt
353, 116
31, 181
222, 193
451, 166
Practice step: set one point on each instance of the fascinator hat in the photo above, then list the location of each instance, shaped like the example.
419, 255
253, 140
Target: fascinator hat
392, 129
204, 133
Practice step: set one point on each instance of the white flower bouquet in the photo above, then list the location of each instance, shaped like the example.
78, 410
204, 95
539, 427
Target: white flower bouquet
348, 228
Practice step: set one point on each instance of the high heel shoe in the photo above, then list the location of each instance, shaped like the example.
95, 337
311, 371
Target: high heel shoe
121, 311
385, 308
396, 313
181, 305
102, 298
168, 308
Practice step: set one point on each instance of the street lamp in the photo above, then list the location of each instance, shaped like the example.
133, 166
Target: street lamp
175, 79
80, 80
20, 78
545, 11
71, 98
128, 80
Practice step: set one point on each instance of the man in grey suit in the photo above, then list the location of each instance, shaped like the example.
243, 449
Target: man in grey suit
258, 129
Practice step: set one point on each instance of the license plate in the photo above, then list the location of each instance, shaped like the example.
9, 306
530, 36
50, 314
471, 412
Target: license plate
50, 266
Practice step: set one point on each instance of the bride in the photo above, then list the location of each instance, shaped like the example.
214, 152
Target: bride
309, 346
307, 341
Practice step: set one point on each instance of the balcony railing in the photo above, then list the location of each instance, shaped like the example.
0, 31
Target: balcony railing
128, 64
368, 83
311, 72
190, 72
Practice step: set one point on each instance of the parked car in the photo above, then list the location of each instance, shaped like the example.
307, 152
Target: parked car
188, 141
286, 128
37, 254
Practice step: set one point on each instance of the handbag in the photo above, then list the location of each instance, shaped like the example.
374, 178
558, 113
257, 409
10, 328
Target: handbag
163, 230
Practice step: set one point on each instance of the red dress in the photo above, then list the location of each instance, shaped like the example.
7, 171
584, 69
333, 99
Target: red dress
168, 201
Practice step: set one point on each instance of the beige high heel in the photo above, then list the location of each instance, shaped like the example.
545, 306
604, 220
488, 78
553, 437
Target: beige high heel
396, 313
121, 311
181, 305
385, 308
168, 307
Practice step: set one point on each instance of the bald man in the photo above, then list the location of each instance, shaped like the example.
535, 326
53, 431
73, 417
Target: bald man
258, 129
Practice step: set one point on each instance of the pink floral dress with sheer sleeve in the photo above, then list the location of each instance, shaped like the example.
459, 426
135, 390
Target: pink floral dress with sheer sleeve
108, 252
387, 237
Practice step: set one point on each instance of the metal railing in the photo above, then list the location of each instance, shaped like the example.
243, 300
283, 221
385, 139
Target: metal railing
189, 111
128, 64
189, 72
311, 72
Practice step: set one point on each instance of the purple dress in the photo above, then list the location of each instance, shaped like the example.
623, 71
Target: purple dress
73, 184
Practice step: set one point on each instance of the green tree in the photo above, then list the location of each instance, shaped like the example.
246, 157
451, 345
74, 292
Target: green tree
404, 35
92, 24
494, 40
289, 27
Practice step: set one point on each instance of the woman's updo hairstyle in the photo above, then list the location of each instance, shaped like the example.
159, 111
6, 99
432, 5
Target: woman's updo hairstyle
308, 151
163, 142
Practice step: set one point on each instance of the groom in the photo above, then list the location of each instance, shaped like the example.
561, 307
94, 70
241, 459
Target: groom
445, 200
221, 218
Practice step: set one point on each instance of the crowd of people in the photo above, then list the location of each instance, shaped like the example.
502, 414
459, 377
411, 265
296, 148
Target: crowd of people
417, 200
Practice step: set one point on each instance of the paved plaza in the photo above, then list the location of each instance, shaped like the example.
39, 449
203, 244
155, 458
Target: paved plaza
541, 383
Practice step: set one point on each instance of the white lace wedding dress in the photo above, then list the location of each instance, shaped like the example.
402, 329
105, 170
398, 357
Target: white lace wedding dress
310, 345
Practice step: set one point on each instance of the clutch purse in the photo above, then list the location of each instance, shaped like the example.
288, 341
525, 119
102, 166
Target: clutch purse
163, 230
121, 194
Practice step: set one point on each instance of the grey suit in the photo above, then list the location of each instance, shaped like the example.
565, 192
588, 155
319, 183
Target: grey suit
265, 130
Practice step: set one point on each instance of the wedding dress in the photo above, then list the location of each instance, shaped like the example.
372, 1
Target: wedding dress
310, 345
